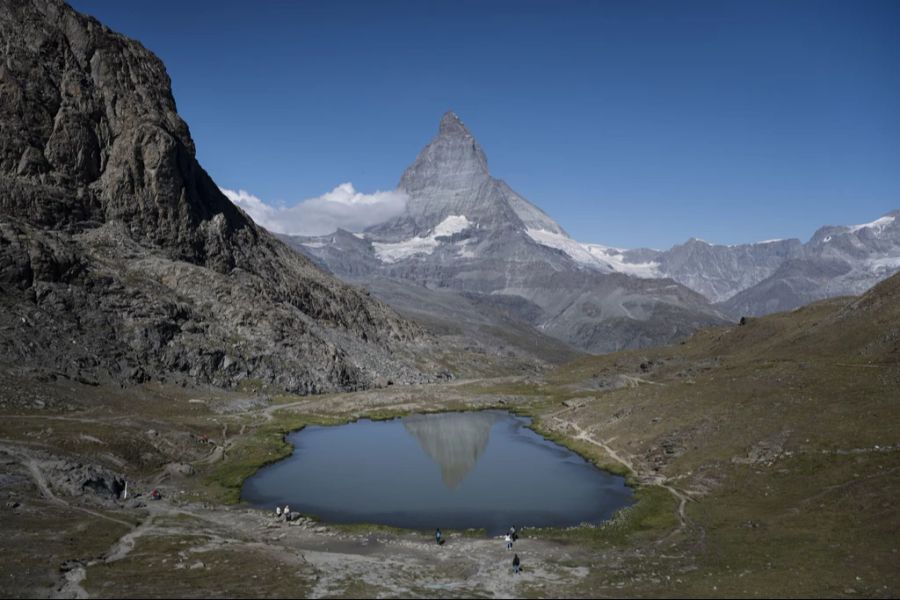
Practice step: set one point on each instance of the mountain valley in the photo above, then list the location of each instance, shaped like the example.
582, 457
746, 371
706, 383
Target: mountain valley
157, 347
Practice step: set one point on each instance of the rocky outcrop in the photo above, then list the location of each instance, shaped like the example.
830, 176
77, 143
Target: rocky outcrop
120, 258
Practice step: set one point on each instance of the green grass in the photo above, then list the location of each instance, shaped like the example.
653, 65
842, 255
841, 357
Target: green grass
373, 528
590, 452
651, 516
265, 445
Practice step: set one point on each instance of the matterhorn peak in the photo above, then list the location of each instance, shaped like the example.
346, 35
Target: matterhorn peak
451, 124
453, 160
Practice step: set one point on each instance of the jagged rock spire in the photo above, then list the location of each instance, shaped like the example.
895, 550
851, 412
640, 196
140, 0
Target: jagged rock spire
450, 177
453, 160
452, 125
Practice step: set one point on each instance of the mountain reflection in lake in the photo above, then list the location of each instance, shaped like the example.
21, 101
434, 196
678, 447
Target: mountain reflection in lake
451, 470
453, 440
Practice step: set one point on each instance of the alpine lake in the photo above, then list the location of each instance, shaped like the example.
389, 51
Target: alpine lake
459, 470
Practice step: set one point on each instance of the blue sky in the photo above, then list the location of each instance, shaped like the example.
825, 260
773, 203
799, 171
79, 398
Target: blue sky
630, 123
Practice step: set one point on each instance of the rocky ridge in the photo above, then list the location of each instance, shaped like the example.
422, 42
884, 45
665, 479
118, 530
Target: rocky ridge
773, 275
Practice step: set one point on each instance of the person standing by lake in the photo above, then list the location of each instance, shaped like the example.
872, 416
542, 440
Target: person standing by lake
438, 538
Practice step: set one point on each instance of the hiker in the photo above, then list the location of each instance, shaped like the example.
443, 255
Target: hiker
513, 533
277, 512
286, 512
437, 536
155, 495
516, 563
509, 541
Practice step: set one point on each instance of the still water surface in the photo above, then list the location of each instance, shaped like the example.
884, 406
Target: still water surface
451, 470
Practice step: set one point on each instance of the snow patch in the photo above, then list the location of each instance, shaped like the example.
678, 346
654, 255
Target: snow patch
877, 224
451, 225
595, 256
885, 263
391, 253
615, 259
576, 251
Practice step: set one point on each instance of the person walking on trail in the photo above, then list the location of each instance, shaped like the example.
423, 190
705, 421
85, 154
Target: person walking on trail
438, 539
513, 533
509, 540
516, 563
277, 512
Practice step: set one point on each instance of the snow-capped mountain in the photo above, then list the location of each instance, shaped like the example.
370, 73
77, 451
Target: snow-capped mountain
467, 231
450, 178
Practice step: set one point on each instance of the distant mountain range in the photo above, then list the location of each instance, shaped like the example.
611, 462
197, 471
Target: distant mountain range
769, 276
469, 233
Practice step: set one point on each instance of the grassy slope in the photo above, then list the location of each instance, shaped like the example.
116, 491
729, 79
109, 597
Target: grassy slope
772, 427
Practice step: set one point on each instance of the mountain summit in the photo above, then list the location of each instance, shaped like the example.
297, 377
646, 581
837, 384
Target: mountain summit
452, 161
450, 178
451, 124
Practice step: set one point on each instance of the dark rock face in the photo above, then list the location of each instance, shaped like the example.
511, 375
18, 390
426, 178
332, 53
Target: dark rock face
466, 231
77, 479
120, 258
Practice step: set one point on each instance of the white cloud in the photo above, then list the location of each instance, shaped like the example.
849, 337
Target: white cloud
343, 207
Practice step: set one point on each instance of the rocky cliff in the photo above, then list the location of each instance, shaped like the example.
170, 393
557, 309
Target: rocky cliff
119, 257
